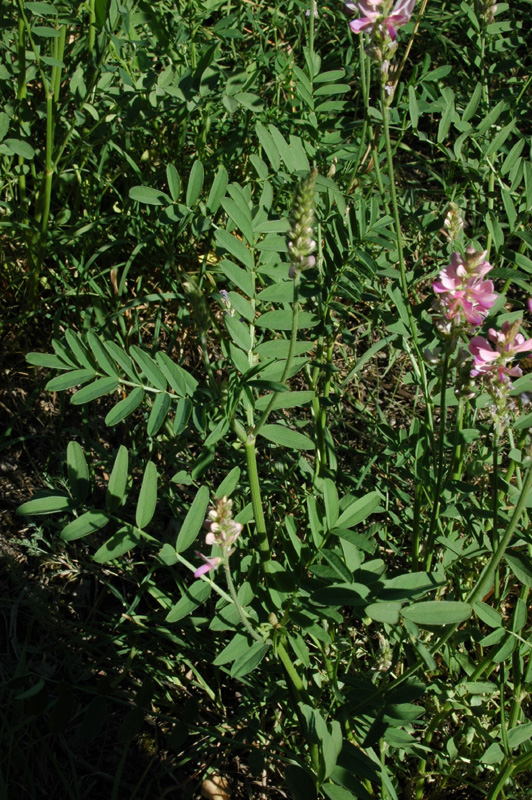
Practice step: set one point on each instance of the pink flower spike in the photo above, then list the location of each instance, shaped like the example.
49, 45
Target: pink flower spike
371, 11
529, 304
482, 351
210, 563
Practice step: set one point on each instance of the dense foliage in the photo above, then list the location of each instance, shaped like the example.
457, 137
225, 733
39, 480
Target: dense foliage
284, 263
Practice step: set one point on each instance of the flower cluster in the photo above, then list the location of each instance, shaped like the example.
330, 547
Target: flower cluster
300, 237
464, 298
493, 362
463, 294
375, 16
486, 10
380, 21
223, 531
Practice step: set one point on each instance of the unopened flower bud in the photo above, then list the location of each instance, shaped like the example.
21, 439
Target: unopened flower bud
301, 243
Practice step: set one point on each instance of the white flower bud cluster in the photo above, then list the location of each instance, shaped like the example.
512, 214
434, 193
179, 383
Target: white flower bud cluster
300, 241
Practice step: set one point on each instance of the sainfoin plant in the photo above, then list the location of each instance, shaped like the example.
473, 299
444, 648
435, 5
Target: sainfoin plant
310, 464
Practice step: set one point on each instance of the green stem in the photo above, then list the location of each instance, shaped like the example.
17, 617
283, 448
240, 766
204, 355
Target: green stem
419, 366
300, 693
92, 25
439, 469
256, 500
238, 606
488, 573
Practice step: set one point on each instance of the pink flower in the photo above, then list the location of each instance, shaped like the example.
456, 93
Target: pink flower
374, 12
492, 362
210, 563
223, 532
462, 292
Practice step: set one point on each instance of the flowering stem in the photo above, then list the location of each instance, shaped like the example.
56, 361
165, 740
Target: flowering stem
241, 614
419, 366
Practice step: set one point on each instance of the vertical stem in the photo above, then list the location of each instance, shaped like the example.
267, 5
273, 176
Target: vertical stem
439, 465
92, 26
300, 695
256, 500
488, 573
232, 591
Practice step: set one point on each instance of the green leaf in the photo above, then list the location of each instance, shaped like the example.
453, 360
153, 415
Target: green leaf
330, 497
78, 471
488, 615
413, 107
229, 484
520, 565
285, 400
217, 191
282, 147
70, 379
158, 413
148, 196
147, 497
493, 755
42, 9
125, 407
437, 612
250, 101
94, 390
182, 415
19, 148
268, 146
195, 183
235, 247
241, 216
237, 647
282, 292
282, 320
280, 434
79, 349
120, 542
101, 8
248, 661
193, 521
104, 361
358, 510
447, 116
499, 139
88, 523
149, 368
193, 596
116, 488
121, 358
174, 181
279, 348
519, 734
178, 378
238, 276
384, 612
46, 503
47, 360
238, 331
